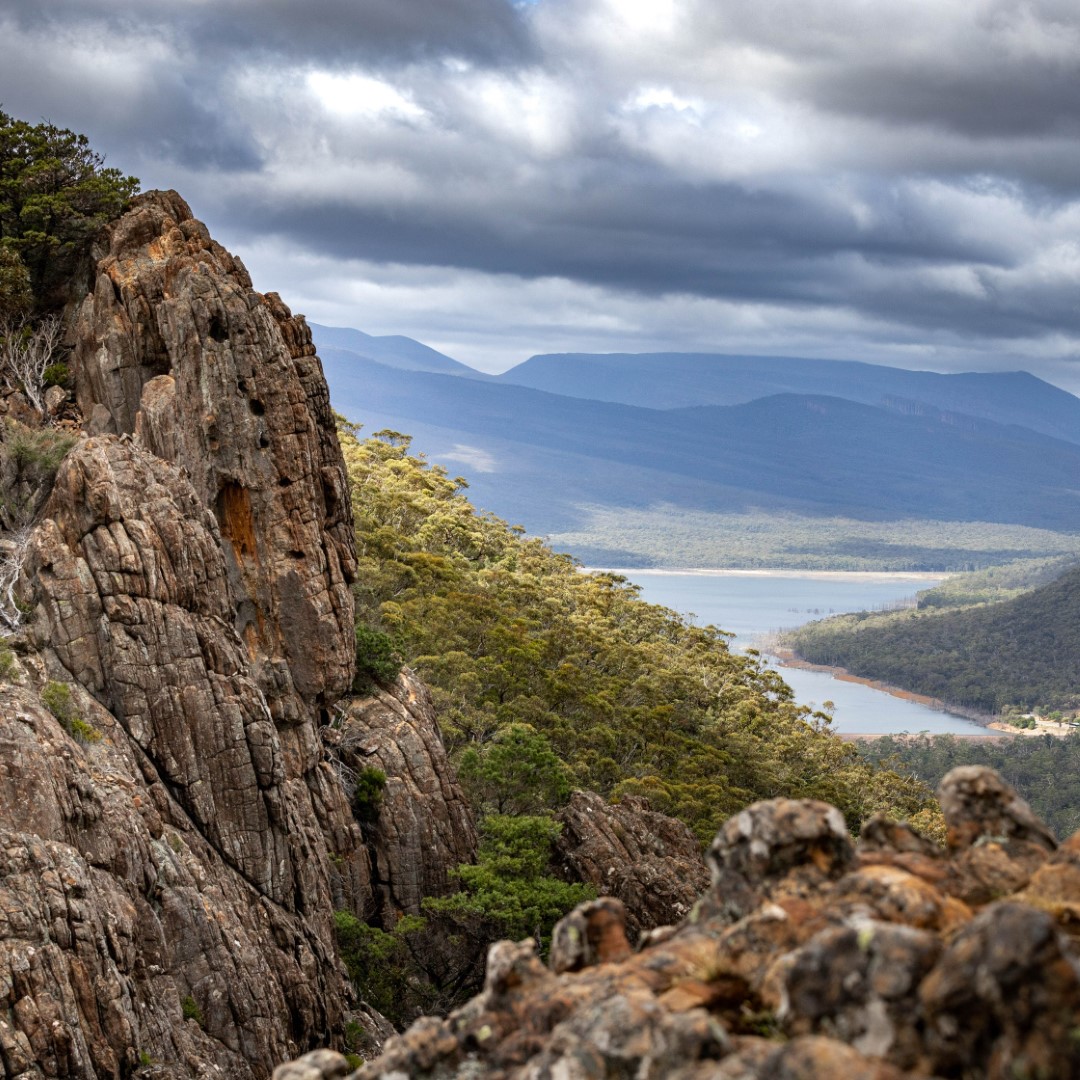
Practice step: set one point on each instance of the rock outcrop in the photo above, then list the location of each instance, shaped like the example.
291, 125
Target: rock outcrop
808, 957
173, 836
420, 826
647, 860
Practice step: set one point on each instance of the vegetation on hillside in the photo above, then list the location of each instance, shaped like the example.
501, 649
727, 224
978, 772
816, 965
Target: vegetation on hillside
1044, 769
1022, 653
673, 537
995, 583
630, 697
546, 678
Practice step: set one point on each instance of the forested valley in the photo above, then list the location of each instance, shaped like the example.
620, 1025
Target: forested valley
1045, 769
546, 678
1009, 655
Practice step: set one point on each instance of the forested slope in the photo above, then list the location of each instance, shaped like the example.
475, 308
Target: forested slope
1044, 769
630, 697
1023, 652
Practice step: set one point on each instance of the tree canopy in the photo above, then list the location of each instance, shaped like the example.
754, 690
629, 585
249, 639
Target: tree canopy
628, 695
55, 193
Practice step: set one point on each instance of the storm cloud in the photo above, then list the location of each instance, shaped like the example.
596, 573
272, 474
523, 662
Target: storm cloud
898, 183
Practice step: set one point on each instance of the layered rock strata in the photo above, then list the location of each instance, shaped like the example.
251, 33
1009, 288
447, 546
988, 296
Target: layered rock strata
652, 863
173, 837
419, 827
808, 957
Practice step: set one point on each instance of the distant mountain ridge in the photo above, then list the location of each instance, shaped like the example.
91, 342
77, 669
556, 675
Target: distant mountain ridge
394, 350
676, 380
549, 460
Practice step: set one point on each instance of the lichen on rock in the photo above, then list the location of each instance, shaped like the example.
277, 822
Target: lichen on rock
830, 961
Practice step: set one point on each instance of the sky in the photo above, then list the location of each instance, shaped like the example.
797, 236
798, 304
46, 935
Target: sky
898, 183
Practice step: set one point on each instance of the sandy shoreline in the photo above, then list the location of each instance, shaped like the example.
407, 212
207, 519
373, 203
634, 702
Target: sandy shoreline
786, 658
815, 575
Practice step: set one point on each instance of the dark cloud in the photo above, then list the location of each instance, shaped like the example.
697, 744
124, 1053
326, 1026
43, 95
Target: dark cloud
906, 172
327, 31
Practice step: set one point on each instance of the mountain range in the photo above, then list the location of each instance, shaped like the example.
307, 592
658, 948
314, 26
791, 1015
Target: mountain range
560, 438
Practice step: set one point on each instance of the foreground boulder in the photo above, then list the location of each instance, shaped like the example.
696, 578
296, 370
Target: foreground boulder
808, 957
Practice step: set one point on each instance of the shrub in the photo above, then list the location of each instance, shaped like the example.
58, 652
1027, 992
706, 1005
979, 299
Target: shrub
368, 794
191, 1011
56, 375
380, 963
516, 773
509, 893
376, 661
56, 697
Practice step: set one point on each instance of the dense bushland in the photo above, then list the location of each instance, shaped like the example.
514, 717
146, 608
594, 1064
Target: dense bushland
1022, 653
547, 678
1045, 769
628, 695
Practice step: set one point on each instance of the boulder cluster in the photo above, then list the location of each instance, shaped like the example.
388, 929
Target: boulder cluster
808, 957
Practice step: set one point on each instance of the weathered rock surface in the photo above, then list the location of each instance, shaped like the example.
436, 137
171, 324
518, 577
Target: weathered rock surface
167, 889
649, 861
807, 958
422, 827
173, 343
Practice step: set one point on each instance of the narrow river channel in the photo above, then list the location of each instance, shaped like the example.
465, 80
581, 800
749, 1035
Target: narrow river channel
751, 604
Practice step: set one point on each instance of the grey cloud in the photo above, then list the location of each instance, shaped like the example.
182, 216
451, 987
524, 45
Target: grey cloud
324, 30
915, 193
986, 69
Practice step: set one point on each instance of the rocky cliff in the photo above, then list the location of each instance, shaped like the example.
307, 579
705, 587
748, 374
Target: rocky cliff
174, 834
808, 958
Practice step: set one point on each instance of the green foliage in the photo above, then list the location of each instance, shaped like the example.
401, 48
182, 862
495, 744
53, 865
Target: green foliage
191, 1011
516, 773
368, 793
145, 1060
83, 732
56, 697
627, 695
16, 296
1045, 769
380, 962
376, 661
1023, 652
56, 375
671, 536
7, 664
55, 193
509, 893
995, 583
29, 461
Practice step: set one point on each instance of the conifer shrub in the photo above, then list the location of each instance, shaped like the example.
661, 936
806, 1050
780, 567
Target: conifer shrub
368, 794
376, 660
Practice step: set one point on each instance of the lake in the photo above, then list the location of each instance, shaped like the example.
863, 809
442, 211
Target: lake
754, 603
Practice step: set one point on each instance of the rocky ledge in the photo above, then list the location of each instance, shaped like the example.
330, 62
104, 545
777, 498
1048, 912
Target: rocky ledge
808, 957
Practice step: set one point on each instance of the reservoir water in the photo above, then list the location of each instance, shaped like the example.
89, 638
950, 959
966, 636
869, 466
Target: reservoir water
753, 604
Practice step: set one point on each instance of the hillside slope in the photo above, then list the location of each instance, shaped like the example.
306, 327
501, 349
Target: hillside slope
1023, 652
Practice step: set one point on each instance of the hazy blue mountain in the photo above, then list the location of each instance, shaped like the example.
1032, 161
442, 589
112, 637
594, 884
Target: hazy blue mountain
537, 457
674, 380
394, 350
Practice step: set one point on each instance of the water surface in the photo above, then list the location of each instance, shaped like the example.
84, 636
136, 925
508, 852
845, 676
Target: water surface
757, 603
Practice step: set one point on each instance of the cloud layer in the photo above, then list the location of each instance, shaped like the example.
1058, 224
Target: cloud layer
896, 183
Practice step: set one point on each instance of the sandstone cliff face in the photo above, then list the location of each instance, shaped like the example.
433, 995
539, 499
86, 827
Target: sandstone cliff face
808, 959
650, 862
166, 892
422, 826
